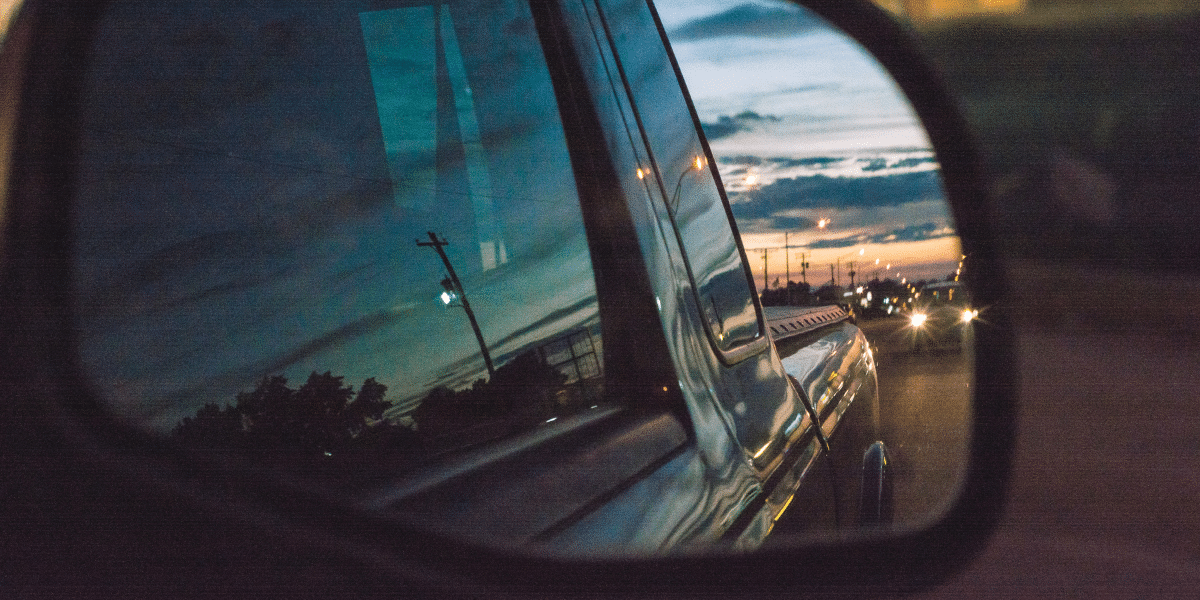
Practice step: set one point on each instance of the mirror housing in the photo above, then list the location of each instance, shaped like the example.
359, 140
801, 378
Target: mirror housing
96, 502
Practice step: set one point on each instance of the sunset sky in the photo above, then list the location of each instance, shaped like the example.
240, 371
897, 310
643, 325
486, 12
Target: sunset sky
806, 126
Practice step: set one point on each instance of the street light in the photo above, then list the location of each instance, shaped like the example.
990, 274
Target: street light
453, 290
450, 294
697, 165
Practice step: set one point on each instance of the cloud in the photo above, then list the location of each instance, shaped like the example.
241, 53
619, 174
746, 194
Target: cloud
752, 161
873, 164
791, 223
845, 242
751, 116
914, 162
743, 121
724, 127
908, 233
806, 162
915, 233
792, 204
839, 193
748, 20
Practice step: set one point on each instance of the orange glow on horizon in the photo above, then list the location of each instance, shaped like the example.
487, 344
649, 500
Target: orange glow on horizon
925, 10
911, 261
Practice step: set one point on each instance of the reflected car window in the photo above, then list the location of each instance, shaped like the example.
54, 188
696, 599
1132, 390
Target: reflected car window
331, 231
686, 179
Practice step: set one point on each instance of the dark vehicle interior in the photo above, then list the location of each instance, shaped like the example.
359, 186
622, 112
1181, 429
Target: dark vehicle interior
1068, 137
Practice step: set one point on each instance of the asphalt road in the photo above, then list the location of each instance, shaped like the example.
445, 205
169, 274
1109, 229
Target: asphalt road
925, 411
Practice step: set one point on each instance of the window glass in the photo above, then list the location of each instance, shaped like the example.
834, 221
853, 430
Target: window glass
328, 230
689, 188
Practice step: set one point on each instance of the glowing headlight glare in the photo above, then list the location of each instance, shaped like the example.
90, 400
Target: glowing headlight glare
918, 319
969, 315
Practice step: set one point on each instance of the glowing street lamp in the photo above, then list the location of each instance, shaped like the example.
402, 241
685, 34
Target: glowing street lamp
697, 165
453, 290
450, 294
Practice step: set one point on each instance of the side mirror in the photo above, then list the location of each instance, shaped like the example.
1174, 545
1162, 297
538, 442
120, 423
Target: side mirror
514, 264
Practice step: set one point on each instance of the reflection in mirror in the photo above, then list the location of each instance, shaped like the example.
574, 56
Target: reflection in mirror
308, 230
837, 196
357, 244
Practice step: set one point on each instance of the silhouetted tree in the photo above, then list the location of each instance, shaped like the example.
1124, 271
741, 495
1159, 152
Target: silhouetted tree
795, 294
213, 427
325, 425
828, 294
323, 418
521, 392
367, 407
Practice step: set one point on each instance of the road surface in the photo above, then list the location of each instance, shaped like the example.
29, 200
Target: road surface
925, 400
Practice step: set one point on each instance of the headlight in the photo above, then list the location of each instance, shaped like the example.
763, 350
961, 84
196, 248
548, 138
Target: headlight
917, 319
969, 315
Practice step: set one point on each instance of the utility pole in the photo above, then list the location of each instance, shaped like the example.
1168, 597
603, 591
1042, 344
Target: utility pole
766, 279
787, 267
437, 244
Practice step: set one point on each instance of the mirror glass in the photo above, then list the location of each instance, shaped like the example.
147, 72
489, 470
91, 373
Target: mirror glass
838, 198
354, 246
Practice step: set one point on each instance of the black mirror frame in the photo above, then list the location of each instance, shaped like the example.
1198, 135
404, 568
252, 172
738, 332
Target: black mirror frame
49, 421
